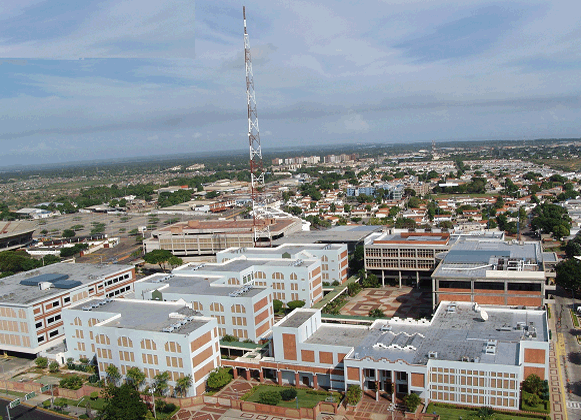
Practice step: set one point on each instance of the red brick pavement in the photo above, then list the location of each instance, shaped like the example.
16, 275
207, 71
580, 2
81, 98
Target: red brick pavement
393, 301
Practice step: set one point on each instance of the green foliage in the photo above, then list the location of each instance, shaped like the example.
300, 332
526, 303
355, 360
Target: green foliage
135, 377
411, 402
551, 218
219, 378
288, 394
376, 313
167, 199
293, 304
41, 362
183, 384
269, 397
123, 403
160, 382
353, 289
70, 251
569, 274
175, 261
230, 338
573, 247
159, 257
94, 395
68, 233
353, 394
405, 223
53, 367
532, 384
277, 305
73, 382
60, 403
113, 374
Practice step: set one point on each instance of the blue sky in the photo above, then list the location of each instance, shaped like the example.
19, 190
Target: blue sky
108, 79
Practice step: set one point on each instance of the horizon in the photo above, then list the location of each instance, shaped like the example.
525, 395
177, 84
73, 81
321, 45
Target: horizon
103, 80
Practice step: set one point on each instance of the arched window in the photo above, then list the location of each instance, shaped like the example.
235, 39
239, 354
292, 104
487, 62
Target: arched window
293, 276
216, 307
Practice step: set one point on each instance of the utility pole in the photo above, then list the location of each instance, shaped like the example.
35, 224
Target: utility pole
260, 226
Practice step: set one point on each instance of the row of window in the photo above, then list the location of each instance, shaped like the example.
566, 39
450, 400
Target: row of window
117, 279
51, 334
119, 291
49, 321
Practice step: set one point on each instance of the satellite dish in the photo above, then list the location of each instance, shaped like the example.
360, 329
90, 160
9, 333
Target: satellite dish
483, 315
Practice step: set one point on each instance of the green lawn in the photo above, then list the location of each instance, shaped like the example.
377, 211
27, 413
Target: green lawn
458, 413
97, 404
539, 408
306, 399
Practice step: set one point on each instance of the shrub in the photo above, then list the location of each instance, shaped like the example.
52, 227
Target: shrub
73, 382
353, 394
376, 313
229, 338
293, 304
353, 289
411, 402
41, 362
335, 283
94, 395
326, 283
46, 403
218, 378
288, 394
60, 403
533, 384
269, 397
169, 407
53, 367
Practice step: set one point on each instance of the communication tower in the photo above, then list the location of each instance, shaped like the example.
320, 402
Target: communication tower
260, 222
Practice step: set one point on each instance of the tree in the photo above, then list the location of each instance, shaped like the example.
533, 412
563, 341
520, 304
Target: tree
160, 384
68, 233
183, 384
411, 402
123, 403
269, 397
113, 374
277, 305
53, 367
569, 274
353, 394
175, 262
135, 377
219, 378
288, 394
573, 247
159, 257
533, 384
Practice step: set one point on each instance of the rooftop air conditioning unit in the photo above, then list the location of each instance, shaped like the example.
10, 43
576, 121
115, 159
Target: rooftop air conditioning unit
433, 355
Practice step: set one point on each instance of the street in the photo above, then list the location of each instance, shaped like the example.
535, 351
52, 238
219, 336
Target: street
23, 412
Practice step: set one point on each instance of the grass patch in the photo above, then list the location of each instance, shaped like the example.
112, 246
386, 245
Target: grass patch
548, 312
452, 413
307, 398
98, 404
12, 393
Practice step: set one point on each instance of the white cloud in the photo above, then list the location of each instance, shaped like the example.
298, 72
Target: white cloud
151, 138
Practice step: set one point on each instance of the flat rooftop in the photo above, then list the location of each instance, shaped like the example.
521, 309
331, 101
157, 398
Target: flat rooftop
239, 264
292, 249
196, 285
296, 319
473, 258
337, 234
456, 335
338, 335
224, 226
12, 292
8, 229
145, 315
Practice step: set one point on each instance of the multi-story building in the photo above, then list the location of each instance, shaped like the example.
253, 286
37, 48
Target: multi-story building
206, 237
242, 311
287, 279
466, 355
493, 272
399, 254
31, 302
153, 336
334, 260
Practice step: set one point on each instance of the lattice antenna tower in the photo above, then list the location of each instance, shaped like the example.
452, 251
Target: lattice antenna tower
259, 223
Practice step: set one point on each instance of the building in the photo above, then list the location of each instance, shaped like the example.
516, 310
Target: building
334, 260
466, 355
31, 302
15, 235
287, 279
153, 336
207, 237
493, 272
245, 312
396, 254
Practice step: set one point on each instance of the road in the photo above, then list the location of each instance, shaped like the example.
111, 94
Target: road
572, 360
23, 412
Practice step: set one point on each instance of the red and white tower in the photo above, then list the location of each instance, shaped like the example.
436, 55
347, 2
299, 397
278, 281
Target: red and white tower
260, 223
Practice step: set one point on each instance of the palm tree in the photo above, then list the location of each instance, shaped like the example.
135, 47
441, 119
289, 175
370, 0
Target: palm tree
135, 377
183, 384
160, 382
113, 374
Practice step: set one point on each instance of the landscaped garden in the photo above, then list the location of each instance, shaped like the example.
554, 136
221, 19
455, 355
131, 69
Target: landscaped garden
289, 396
448, 412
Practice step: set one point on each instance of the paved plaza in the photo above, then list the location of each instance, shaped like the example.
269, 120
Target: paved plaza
404, 302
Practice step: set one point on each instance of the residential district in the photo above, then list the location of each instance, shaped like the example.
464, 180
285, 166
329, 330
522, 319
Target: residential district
417, 285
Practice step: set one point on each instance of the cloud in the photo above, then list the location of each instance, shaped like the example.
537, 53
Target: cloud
150, 138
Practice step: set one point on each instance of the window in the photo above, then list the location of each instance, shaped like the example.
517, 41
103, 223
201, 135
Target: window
238, 309
39, 324
53, 333
40, 338
55, 303
67, 299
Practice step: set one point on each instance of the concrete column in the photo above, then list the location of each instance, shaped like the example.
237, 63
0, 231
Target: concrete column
279, 377
383, 278
418, 278
296, 379
261, 375
315, 381
248, 374
377, 385
394, 387
399, 275
235, 373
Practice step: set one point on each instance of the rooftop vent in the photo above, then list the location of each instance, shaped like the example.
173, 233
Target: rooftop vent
385, 328
433, 355
451, 309
168, 329
483, 315
87, 308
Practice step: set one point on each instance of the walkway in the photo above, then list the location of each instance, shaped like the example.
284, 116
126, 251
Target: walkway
556, 388
403, 302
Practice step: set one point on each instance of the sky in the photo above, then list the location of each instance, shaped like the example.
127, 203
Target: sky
92, 80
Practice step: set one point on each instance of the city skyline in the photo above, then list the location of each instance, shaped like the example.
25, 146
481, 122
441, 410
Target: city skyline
102, 80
